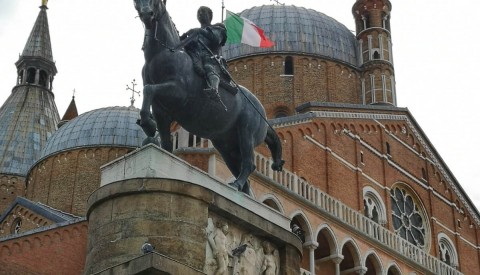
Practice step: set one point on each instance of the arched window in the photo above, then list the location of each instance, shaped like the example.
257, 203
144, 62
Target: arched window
408, 216
280, 112
447, 254
386, 21
376, 55
366, 21
373, 206
31, 75
16, 226
288, 65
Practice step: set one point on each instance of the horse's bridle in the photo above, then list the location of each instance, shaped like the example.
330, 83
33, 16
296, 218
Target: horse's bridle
156, 18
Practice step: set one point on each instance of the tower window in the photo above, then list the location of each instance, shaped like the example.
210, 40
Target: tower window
43, 79
388, 148
366, 21
288, 65
31, 75
386, 21
376, 55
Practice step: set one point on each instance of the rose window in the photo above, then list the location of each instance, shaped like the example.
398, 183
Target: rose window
408, 221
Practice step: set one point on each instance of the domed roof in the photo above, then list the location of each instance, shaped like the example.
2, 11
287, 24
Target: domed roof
111, 126
298, 30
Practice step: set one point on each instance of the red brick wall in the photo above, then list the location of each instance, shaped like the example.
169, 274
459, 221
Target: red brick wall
322, 168
314, 79
58, 251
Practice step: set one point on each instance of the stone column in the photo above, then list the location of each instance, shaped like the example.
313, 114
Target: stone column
37, 76
362, 270
337, 260
311, 246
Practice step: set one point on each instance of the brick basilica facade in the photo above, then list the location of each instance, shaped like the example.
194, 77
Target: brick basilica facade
362, 183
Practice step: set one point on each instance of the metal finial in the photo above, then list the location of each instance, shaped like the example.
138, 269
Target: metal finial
73, 93
278, 2
132, 99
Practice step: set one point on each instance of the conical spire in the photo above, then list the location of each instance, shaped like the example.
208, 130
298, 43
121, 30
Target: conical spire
29, 115
38, 43
70, 113
36, 65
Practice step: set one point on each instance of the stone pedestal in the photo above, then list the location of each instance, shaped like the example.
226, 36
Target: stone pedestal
152, 196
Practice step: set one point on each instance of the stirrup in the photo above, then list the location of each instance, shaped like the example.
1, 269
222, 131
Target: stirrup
212, 92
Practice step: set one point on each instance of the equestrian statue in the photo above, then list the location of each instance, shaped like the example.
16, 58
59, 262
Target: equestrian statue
186, 81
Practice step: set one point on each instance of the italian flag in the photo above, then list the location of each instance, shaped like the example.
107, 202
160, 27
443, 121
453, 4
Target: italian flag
242, 30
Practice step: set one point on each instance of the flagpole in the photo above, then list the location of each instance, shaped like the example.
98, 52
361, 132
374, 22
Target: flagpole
223, 8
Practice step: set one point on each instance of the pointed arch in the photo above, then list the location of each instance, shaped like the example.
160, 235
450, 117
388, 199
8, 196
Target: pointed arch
326, 238
447, 252
299, 218
373, 263
393, 269
374, 206
326, 254
273, 202
351, 256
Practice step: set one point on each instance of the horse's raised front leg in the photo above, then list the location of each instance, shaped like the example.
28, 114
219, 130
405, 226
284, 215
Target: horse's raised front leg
146, 122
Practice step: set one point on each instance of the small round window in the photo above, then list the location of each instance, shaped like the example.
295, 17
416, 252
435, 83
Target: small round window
407, 217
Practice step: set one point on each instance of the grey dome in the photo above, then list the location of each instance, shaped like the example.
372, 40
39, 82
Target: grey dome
111, 126
298, 30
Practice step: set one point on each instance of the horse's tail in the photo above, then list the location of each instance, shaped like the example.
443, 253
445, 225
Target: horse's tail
275, 146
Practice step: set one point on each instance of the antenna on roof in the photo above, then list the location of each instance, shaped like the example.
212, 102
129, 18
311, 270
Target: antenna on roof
132, 99
278, 2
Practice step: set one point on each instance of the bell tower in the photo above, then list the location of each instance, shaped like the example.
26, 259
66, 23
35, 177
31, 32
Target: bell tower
29, 115
372, 20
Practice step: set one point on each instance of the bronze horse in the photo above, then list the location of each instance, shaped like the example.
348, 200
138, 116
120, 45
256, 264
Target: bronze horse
174, 92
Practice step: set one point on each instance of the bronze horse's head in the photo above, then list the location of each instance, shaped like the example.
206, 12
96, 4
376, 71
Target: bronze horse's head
150, 11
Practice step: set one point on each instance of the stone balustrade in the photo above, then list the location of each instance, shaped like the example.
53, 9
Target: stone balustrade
337, 210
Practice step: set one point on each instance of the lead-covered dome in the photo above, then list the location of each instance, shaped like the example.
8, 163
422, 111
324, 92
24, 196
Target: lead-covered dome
111, 126
298, 30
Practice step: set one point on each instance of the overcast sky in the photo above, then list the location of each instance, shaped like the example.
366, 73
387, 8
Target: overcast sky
97, 48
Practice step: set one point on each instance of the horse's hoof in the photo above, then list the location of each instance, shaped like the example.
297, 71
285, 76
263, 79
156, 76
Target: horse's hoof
278, 165
150, 140
236, 185
148, 126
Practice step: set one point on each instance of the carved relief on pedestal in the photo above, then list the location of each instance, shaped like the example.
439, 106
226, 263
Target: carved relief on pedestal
231, 250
